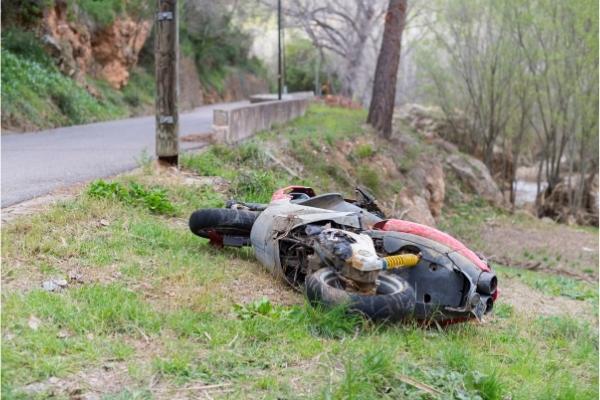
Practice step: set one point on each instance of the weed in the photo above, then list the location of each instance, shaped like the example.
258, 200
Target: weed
254, 186
363, 151
154, 199
262, 307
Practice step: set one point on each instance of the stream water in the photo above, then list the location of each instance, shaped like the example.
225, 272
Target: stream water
525, 192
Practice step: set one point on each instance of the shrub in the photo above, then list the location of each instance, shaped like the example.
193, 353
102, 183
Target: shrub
154, 199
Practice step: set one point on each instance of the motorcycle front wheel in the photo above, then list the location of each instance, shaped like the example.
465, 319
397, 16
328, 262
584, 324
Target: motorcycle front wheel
394, 299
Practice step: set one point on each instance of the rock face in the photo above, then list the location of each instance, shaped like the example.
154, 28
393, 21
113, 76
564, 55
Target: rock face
415, 209
436, 129
190, 88
238, 85
108, 53
423, 199
115, 49
475, 175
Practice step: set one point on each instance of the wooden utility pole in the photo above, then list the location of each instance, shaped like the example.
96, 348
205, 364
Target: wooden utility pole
166, 53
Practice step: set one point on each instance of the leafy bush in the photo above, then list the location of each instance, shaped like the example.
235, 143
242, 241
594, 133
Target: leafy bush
302, 59
154, 199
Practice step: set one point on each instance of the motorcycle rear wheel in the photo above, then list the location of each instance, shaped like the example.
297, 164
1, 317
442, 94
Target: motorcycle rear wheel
222, 221
394, 299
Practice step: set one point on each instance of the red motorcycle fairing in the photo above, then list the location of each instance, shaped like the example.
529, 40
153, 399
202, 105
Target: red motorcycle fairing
397, 225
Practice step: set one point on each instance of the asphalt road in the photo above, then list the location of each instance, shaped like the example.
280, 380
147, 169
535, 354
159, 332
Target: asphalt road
34, 164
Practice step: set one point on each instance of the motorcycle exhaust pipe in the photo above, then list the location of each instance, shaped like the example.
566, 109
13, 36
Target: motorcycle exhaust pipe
487, 283
489, 303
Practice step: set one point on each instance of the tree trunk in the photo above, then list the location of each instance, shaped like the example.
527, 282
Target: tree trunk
386, 73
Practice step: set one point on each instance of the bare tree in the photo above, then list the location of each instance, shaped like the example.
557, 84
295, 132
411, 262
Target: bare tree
386, 73
341, 27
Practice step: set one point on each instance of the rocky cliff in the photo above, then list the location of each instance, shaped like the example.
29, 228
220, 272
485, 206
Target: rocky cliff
81, 48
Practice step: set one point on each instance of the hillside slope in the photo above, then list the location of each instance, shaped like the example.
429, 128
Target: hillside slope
148, 310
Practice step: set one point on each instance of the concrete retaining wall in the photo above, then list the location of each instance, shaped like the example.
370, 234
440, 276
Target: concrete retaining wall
232, 125
262, 97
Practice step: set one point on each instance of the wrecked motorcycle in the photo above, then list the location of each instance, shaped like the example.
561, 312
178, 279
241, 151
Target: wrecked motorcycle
342, 251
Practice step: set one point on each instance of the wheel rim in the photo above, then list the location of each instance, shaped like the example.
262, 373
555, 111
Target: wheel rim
385, 284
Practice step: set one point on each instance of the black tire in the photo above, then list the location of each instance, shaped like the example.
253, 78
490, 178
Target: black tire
222, 221
394, 300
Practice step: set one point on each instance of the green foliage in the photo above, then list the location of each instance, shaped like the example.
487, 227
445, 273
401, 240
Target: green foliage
23, 12
25, 44
154, 199
255, 186
41, 95
104, 12
208, 35
302, 60
262, 307
368, 177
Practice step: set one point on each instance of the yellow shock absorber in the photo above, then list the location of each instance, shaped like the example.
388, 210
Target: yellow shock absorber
401, 261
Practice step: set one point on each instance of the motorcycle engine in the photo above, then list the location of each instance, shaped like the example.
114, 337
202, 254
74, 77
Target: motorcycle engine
352, 255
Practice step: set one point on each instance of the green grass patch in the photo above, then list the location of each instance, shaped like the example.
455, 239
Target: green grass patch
550, 284
363, 151
154, 199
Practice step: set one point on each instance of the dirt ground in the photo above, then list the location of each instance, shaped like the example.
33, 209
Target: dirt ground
543, 246
533, 303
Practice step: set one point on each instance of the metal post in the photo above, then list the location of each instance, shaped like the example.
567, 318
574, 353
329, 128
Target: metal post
279, 76
283, 63
166, 53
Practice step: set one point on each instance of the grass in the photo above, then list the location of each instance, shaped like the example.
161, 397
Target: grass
170, 309
553, 285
